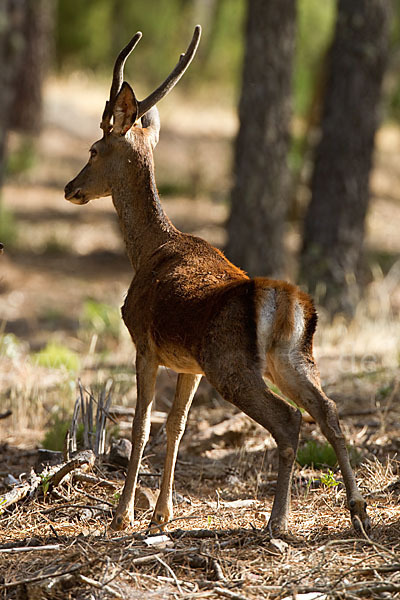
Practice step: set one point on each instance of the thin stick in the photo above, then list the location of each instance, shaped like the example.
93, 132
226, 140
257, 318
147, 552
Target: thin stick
100, 586
31, 549
170, 571
229, 594
12, 584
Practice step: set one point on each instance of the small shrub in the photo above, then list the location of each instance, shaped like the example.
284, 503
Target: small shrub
317, 455
45, 483
55, 435
57, 356
55, 246
101, 318
56, 432
23, 158
8, 228
328, 479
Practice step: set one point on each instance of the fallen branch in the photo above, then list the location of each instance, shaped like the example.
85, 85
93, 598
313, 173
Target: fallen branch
100, 586
89, 478
18, 492
85, 458
51, 476
16, 550
57, 507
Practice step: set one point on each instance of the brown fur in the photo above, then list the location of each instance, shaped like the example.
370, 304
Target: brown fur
192, 310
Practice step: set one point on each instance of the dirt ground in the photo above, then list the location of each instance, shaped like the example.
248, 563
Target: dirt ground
65, 255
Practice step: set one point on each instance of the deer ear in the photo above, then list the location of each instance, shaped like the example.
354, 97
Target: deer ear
125, 110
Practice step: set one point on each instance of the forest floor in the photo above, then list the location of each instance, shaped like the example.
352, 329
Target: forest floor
62, 280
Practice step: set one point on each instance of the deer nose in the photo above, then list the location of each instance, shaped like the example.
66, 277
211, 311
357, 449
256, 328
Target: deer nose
70, 191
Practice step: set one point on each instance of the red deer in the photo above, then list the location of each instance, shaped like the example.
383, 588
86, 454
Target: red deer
188, 308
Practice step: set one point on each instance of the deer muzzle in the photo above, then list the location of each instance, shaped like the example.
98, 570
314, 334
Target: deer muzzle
74, 194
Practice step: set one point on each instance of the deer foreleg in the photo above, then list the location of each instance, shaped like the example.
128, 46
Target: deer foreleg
185, 390
146, 371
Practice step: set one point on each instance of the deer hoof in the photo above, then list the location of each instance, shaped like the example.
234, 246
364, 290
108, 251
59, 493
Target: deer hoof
359, 516
161, 517
277, 527
122, 521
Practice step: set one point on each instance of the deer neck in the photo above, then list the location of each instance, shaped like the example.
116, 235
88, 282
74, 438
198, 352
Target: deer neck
143, 222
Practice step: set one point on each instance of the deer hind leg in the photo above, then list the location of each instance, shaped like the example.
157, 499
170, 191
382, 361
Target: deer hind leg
185, 390
251, 395
295, 373
146, 372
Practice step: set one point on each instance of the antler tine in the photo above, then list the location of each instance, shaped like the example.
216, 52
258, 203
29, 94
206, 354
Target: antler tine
173, 77
118, 73
118, 76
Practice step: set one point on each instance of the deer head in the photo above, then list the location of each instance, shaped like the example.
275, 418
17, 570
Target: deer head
130, 128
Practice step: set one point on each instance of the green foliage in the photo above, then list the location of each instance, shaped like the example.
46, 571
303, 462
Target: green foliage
8, 228
296, 153
23, 158
55, 246
45, 483
328, 479
55, 435
317, 455
315, 23
57, 356
223, 44
101, 318
385, 391
274, 388
90, 34
83, 33
394, 104
56, 432
393, 107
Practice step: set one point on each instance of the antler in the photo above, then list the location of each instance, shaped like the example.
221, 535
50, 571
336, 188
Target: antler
173, 78
118, 76
162, 90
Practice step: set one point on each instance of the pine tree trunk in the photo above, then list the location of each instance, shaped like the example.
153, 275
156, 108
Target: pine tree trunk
261, 177
335, 219
12, 13
28, 101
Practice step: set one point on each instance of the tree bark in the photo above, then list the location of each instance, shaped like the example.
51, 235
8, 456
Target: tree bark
260, 192
335, 219
11, 45
28, 83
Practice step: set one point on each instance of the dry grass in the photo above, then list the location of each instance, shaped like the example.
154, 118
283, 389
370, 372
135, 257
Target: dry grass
213, 548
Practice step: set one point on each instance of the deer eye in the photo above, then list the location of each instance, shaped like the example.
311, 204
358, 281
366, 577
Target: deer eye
93, 152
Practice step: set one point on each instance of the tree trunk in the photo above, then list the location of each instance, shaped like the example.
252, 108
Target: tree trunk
261, 177
11, 45
334, 223
28, 102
